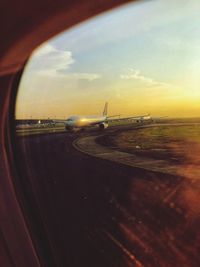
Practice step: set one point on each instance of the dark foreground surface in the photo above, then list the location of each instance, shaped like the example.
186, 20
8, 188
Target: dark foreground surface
90, 212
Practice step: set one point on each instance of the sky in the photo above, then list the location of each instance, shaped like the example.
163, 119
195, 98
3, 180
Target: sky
142, 57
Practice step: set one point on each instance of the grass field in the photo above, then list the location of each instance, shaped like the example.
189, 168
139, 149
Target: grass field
176, 144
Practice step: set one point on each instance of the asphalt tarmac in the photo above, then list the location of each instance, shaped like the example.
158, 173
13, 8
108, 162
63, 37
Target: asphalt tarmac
85, 211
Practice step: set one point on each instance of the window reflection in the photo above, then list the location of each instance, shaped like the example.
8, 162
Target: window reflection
108, 126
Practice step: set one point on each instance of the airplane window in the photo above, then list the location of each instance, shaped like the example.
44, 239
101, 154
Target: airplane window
108, 138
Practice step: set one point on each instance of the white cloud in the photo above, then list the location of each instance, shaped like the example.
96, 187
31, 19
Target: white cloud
44, 49
83, 76
136, 75
50, 61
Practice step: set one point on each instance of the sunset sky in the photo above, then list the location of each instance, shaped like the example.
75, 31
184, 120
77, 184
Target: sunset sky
140, 58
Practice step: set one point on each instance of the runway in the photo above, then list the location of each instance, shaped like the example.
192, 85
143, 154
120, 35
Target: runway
91, 212
90, 146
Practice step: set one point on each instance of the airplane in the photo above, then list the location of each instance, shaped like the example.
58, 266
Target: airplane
80, 122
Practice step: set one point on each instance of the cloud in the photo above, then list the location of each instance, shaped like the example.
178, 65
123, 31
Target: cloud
52, 62
136, 75
83, 76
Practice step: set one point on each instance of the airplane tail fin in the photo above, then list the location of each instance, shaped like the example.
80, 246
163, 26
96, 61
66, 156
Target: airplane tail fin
105, 111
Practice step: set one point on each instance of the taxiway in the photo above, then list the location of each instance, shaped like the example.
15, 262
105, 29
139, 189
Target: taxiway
88, 211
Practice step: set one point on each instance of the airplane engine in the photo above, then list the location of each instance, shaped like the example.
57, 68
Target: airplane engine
68, 128
103, 125
140, 120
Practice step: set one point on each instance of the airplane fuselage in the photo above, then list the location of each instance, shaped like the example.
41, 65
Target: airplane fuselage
83, 121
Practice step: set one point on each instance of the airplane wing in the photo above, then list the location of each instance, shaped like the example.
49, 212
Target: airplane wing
158, 118
142, 117
112, 116
59, 121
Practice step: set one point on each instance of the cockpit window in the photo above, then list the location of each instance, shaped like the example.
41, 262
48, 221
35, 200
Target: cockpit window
108, 130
